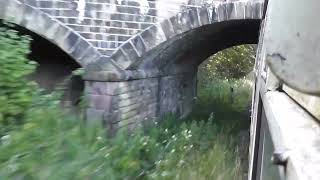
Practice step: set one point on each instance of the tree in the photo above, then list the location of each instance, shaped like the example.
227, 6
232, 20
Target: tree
231, 63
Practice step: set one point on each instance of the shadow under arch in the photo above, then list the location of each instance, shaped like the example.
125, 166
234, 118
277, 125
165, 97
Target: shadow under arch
54, 67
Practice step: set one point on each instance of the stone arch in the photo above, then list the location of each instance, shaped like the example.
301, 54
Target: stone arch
154, 77
186, 51
137, 49
55, 32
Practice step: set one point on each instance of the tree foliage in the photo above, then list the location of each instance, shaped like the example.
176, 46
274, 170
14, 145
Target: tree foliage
231, 63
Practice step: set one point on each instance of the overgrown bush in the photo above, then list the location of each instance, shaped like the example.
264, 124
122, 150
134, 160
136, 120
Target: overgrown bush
16, 91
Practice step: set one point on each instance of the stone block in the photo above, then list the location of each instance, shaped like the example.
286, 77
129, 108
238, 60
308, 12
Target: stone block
52, 30
121, 59
230, 10
249, 10
99, 88
145, 25
128, 9
115, 31
128, 115
70, 21
69, 13
112, 117
95, 7
129, 124
113, 88
222, 12
80, 49
167, 28
114, 23
95, 29
132, 3
106, 52
91, 55
126, 102
204, 16
129, 95
215, 14
100, 102
88, 35
46, 4
3, 8
145, 18
131, 25
152, 12
122, 17
132, 107
258, 10
44, 23
181, 23
194, 17
94, 115
11, 15
101, 15
69, 42
153, 36
240, 9
152, 4
131, 53
139, 45
63, 4
31, 3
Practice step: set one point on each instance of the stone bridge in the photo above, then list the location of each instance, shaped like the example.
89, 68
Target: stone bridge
140, 56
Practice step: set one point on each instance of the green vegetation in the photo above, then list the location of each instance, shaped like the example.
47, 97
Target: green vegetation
48, 143
15, 91
53, 145
232, 63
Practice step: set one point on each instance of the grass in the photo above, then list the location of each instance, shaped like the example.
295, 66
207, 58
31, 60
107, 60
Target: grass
53, 145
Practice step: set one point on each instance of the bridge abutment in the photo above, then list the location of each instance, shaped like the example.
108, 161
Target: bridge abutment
129, 103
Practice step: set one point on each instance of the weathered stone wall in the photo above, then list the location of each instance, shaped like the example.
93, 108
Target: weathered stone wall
128, 103
177, 93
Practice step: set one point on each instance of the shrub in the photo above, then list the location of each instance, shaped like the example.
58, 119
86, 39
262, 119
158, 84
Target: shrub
15, 90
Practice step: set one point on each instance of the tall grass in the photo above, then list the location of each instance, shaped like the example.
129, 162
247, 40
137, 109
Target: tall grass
53, 145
